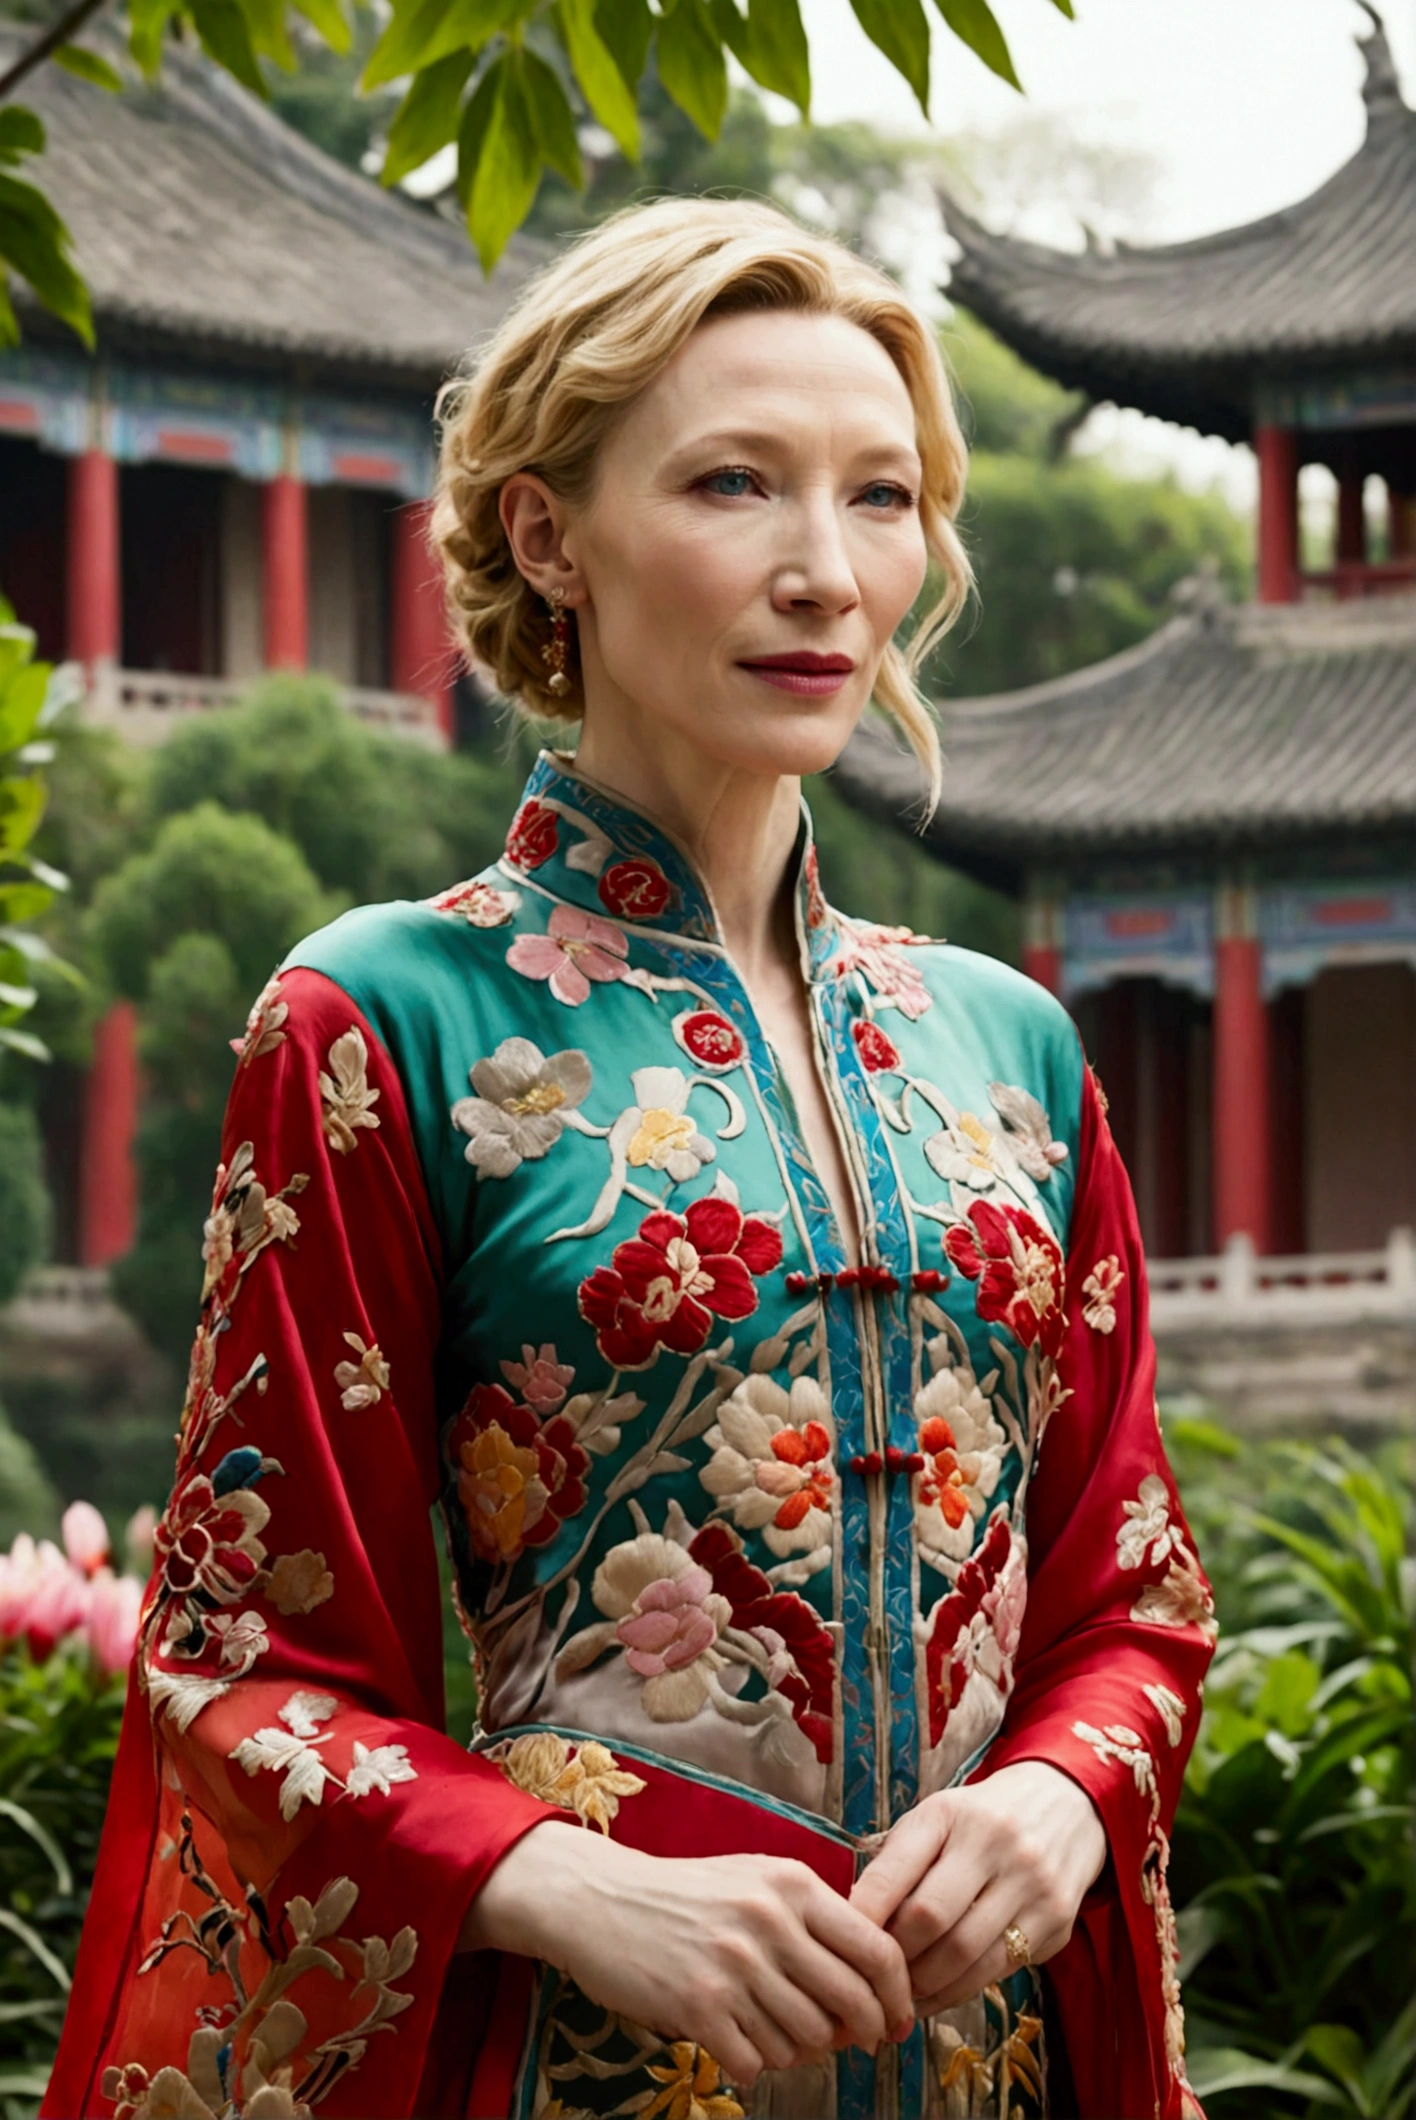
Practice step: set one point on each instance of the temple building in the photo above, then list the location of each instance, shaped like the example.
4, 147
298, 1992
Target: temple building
1214, 834
235, 481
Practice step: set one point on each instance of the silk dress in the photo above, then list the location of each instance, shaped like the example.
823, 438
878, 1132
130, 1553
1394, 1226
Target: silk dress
515, 1230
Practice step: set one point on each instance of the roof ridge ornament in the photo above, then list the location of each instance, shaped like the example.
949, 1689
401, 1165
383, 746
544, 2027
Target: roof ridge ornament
1381, 90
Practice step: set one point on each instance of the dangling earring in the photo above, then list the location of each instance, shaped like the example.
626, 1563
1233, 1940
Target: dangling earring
557, 648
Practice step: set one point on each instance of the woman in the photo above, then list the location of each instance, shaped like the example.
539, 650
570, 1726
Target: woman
720, 1261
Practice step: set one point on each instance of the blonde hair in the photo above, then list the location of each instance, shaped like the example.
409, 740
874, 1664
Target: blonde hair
587, 335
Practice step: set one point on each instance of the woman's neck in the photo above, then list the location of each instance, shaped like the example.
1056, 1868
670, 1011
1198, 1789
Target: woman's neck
739, 827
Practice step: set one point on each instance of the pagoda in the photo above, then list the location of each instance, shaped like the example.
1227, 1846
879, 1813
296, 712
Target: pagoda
1214, 834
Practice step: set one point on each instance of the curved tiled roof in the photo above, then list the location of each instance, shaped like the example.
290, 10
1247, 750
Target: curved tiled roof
205, 225
1185, 330
1232, 727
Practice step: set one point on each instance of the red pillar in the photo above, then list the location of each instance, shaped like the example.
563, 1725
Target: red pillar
285, 575
1241, 1076
422, 657
1277, 451
94, 598
108, 1193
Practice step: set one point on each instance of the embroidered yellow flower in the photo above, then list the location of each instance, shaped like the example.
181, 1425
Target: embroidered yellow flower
660, 1135
587, 1780
501, 1492
693, 2087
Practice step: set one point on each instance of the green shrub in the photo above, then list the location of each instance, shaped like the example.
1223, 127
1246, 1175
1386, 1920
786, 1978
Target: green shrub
24, 1198
1293, 1844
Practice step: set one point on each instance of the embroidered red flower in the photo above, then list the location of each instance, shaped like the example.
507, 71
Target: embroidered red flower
801, 1658
635, 888
666, 1285
208, 1545
975, 1630
1018, 1268
518, 1478
878, 1054
709, 1038
480, 904
533, 837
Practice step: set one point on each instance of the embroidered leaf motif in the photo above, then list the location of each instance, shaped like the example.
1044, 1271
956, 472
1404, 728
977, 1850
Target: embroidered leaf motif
348, 1099
283, 1753
182, 1696
378, 1768
298, 1582
304, 1712
1170, 1708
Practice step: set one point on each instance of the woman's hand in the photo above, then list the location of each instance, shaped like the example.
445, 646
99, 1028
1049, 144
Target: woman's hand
1023, 1846
752, 1957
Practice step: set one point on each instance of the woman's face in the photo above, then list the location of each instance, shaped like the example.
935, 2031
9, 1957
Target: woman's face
752, 543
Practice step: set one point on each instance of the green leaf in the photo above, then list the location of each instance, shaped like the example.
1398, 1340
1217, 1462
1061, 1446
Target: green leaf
627, 28
43, 1839
34, 242
1228, 2068
89, 66
226, 36
1289, 1684
9, 322
21, 131
770, 45
975, 24
692, 67
900, 29
329, 18
1064, 7
423, 31
508, 168
24, 2082
36, 1945
33, 1049
427, 118
599, 75
24, 901
552, 120
472, 132
147, 19
21, 704
268, 31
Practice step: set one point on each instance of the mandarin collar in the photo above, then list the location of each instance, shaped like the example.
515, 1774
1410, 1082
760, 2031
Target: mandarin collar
594, 850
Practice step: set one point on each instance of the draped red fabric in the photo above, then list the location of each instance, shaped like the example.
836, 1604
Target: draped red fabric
1108, 1697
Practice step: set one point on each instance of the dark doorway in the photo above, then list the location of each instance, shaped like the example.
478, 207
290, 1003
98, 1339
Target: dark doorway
171, 530
33, 543
1150, 1044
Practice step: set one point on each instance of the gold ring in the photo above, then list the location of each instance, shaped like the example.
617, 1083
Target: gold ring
1018, 1948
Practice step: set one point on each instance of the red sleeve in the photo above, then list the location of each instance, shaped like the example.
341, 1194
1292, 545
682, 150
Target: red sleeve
299, 1837
1117, 1636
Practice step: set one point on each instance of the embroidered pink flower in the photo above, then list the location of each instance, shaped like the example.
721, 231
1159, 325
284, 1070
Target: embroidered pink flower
710, 1039
878, 1054
635, 888
975, 1631
801, 1656
533, 837
1018, 1268
817, 911
665, 1286
480, 904
542, 1381
669, 1627
575, 949
880, 954
662, 1610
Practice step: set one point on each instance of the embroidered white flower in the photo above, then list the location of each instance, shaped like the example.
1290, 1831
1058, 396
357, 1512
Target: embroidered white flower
362, 1383
1100, 1288
1028, 1129
1146, 1533
243, 1638
1181, 1598
521, 1104
772, 1463
963, 1447
345, 1092
655, 1132
293, 1752
263, 1031
966, 1152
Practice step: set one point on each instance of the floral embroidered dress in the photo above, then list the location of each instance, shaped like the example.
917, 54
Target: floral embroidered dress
754, 1548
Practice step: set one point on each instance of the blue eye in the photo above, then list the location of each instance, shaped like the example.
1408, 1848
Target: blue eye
884, 495
732, 484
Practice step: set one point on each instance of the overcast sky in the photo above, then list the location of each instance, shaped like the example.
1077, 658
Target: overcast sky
1242, 106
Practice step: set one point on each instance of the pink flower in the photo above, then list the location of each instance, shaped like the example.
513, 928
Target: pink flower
85, 1536
541, 1379
669, 1627
576, 948
42, 1595
114, 1604
138, 1535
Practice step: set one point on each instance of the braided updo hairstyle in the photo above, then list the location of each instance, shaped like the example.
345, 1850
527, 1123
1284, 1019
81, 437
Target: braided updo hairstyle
592, 330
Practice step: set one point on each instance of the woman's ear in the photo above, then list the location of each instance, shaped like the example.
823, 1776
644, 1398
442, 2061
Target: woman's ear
534, 520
